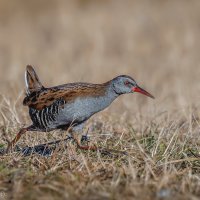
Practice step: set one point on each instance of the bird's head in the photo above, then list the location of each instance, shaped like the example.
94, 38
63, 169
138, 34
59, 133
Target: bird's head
125, 84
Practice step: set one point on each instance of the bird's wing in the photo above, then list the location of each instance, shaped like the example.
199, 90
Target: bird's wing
67, 93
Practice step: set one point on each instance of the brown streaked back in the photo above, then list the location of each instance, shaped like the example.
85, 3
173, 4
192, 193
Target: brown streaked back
68, 93
32, 81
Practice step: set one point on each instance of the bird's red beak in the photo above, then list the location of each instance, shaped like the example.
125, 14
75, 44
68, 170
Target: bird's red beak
142, 91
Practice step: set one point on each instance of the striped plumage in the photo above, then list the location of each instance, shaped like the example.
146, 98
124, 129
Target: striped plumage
42, 119
70, 105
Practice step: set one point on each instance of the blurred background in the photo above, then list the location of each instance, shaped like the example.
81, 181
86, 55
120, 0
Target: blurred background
156, 42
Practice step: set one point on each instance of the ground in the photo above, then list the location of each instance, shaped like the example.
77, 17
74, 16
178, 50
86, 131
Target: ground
162, 162
157, 43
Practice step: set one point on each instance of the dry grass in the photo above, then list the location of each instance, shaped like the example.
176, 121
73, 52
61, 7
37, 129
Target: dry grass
156, 42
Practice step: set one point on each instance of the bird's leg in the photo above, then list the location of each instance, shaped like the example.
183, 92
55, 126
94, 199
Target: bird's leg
85, 137
105, 151
76, 135
77, 138
17, 137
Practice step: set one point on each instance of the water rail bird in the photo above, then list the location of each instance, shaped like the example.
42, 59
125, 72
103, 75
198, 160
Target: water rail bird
71, 104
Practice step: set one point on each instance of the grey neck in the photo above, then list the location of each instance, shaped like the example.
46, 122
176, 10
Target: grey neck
111, 92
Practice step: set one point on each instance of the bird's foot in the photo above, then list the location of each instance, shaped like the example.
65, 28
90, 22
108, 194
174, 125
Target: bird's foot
87, 147
105, 151
109, 152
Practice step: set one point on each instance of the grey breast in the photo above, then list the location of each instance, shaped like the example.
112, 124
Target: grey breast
83, 108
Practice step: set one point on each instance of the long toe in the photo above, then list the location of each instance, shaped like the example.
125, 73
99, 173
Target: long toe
111, 152
87, 147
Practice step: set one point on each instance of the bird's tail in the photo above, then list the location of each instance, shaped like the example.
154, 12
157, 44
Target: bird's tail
32, 81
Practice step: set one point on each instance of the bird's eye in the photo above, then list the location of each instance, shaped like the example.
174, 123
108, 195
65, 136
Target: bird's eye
126, 82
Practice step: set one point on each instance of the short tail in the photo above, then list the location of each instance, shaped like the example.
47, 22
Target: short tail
32, 81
